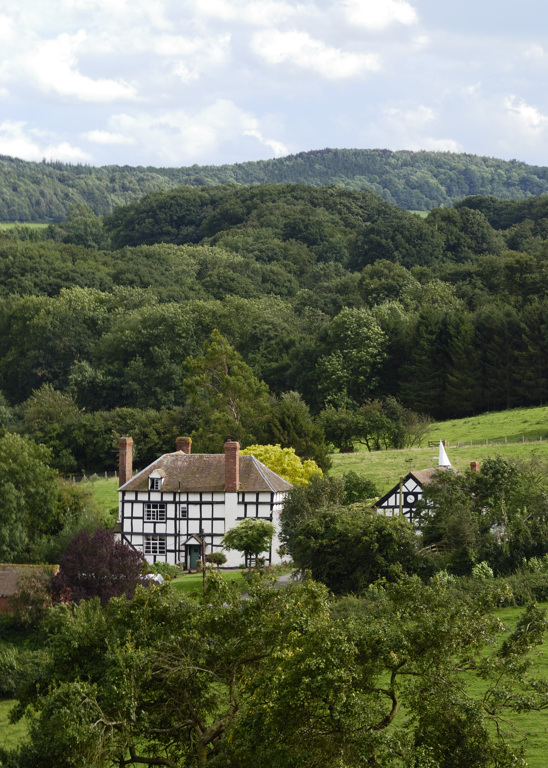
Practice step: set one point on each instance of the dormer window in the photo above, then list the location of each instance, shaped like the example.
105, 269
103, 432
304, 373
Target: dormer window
155, 480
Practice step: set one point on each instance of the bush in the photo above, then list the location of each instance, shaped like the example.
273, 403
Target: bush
216, 558
166, 570
482, 571
15, 667
98, 565
32, 599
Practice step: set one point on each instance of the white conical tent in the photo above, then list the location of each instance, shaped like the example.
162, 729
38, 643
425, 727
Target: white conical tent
443, 461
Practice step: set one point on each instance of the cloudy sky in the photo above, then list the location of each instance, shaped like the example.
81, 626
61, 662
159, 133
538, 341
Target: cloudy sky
177, 82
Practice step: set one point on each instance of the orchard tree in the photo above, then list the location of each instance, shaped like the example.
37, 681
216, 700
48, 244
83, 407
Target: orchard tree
163, 681
251, 536
349, 548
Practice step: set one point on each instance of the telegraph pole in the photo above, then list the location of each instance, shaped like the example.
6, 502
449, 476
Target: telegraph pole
202, 535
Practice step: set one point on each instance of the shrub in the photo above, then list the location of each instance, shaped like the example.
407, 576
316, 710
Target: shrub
32, 598
98, 565
216, 558
482, 571
166, 570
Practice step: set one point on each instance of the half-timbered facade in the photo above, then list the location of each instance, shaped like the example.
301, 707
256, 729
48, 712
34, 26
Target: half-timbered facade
181, 498
403, 497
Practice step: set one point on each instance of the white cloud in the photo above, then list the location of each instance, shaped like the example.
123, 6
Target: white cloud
264, 13
433, 144
14, 141
416, 117
195, 55
54, 67
413, 129
300, 49
105, 137
277, 147
182, 136
528, 117
379, 14
6, 29
153, 11
534, 52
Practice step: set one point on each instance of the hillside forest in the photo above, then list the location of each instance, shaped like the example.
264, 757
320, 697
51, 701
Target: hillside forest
306, 317
329, 307
45, 192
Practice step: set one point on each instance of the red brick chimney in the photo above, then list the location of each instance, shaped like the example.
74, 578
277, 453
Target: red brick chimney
474, 466
125, 466
184, 444
232, 466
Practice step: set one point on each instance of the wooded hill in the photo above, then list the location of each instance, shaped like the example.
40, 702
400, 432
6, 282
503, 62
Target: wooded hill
333, 294
44, 192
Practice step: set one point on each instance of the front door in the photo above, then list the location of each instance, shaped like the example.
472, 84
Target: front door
193, 554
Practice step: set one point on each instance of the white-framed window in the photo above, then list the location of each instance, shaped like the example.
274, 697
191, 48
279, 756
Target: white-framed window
155, 483
155, 545
183, 511
155, 512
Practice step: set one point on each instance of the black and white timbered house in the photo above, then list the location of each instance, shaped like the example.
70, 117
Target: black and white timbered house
164, 509
403, 497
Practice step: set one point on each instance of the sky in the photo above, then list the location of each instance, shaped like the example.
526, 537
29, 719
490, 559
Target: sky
177, 82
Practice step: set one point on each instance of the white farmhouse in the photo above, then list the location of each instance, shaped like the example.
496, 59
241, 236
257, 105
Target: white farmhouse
165, 509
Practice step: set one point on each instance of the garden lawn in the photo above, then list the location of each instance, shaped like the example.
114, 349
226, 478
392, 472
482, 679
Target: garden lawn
191, 583
11, 734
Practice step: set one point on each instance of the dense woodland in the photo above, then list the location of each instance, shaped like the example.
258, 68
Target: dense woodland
45, 191
351, 304
306, 317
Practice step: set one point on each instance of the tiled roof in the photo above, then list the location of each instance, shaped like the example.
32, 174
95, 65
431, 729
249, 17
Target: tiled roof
9, 575
205, 472
424, 476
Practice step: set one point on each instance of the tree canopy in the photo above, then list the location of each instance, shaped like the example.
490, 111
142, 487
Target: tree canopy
165, 681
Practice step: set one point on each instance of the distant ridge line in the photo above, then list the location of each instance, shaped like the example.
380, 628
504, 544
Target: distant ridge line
45, 191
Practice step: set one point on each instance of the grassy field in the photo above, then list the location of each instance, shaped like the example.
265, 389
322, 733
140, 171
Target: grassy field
11, 224
385, 468
514, 434
11, 734
105, 493
516, 425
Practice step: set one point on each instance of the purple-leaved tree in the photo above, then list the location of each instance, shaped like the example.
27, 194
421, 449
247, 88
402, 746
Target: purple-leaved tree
97, 565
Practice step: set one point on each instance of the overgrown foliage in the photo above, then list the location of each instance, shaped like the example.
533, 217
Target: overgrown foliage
166, 681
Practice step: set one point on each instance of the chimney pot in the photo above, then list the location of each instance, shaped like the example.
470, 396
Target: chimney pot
184, 444
232, 466
125, 464
474, 466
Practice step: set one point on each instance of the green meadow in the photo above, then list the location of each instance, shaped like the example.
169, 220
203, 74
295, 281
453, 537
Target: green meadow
514, 434
520, 433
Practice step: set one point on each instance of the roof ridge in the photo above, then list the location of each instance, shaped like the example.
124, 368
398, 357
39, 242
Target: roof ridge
260, 468
134, 477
